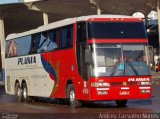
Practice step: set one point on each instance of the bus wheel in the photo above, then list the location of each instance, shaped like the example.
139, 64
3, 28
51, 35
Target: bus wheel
25, 93
18, 92
121, 103
71, 95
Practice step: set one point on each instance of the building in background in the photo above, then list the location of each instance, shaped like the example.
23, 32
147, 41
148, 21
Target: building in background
151, 24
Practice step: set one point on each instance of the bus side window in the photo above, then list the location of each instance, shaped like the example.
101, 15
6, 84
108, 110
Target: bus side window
35, 39
7, 49
64, 36
81, 49
69, 42
67, 36
21, 43
18, 47
43, 42
47, 42
81, 32
28, 44
52, 41
12, 48
57, 36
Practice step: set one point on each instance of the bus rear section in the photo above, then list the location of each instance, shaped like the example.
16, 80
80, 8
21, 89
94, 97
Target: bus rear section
114, 59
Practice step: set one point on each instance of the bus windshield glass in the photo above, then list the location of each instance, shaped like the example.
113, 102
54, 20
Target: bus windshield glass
116, 30
119, 60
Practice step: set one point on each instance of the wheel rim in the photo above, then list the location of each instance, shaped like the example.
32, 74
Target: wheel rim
19, 92
72, 96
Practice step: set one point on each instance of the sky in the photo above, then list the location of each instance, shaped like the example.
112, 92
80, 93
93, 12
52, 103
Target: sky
7, 1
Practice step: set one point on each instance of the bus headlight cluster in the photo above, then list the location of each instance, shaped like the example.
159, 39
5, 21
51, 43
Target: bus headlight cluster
145, 91
100, 84
145, 83
102, 92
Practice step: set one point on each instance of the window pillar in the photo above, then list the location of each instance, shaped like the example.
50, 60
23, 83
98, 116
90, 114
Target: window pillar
158, 13
45, 18
97, 3
2, 41
98, 11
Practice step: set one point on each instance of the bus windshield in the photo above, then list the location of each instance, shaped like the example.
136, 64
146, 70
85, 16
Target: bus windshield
116, 30
119, 60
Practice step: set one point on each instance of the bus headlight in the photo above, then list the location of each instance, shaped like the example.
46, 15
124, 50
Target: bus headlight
145, 83
102, 93
100, 84
145, 91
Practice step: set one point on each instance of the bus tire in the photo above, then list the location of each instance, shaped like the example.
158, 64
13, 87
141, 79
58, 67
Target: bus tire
71, 95
121, 103
18, 92
26, 98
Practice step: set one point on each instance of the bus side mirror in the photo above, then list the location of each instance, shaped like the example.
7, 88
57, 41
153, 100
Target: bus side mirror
87, 56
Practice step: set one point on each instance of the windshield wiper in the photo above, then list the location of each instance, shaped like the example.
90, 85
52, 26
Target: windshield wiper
133, 69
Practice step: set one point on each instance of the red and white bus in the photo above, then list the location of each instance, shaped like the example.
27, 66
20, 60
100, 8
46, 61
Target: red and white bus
89, 58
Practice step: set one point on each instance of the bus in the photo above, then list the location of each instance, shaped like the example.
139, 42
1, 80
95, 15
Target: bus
89, 58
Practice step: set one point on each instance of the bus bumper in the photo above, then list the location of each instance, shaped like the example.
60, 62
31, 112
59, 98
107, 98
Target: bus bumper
120, 93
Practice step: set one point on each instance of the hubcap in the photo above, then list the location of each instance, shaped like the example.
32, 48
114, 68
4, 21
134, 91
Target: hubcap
72, 96
19, 92
25, 93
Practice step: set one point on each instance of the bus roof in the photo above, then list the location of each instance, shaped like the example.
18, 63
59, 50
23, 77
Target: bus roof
62, 23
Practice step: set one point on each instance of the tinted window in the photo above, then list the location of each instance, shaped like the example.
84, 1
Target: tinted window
35, 39
64, 37
102, 30
41, 42
11, 48
67, 36
18, 47
81, 32
52, 45
46, 42
57, 36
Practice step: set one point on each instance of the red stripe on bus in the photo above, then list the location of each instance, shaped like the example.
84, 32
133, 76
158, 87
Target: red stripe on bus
115, 20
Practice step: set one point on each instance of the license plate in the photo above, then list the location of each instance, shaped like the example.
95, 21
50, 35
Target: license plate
124, 92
